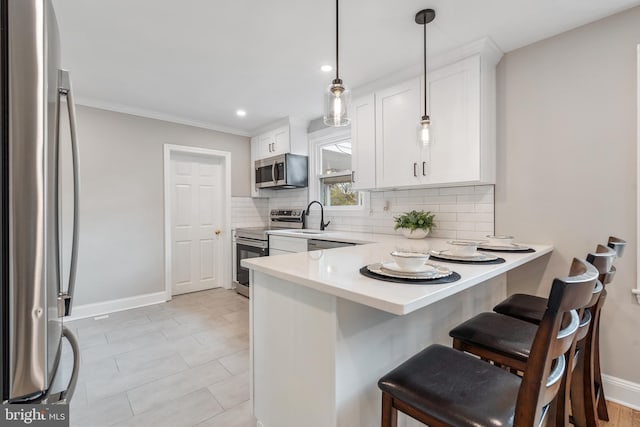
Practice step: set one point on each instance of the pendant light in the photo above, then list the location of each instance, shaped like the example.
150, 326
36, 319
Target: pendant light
338, 96
424, 125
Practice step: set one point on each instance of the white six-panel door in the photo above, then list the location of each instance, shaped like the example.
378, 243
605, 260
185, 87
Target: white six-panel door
196, 215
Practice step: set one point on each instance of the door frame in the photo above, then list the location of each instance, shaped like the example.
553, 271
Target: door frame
205, 153
636, 290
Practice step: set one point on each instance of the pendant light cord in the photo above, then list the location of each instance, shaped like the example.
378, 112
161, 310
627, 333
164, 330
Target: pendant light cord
337, 38
424, 26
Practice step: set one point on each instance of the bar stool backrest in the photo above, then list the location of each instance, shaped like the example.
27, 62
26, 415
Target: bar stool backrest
602, 259
617, 245
545, 368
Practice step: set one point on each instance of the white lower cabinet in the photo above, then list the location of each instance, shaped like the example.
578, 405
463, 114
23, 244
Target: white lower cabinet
279, 245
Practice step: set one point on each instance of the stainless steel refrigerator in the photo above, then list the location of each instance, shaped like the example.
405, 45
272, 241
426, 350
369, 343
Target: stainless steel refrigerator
33, 91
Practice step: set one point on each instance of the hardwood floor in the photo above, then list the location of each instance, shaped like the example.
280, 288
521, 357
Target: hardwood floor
177, 364
621, 416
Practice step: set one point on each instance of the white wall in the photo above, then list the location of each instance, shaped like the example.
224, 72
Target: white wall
122, 228
566, 163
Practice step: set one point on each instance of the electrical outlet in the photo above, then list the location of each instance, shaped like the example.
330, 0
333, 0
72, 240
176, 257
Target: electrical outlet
387, 205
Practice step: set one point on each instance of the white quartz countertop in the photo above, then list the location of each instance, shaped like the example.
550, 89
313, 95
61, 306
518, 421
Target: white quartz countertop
336, 271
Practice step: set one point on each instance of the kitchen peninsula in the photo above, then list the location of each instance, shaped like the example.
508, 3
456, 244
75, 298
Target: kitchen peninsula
322, 333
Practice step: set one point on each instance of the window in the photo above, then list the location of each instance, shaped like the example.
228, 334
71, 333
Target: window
334, 174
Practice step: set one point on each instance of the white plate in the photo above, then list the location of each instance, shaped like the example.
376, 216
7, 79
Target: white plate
478, 256
394, 267
437, 272
510, 247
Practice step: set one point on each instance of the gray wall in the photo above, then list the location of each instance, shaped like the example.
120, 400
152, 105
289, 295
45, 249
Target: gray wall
122, 229
567, 140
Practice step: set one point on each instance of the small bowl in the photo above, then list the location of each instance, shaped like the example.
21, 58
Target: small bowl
500, 240
409, 261
463, 247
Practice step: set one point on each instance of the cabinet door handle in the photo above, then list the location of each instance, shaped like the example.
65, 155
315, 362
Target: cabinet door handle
269, 147
415, 173
273, 146
424, 165
353, 176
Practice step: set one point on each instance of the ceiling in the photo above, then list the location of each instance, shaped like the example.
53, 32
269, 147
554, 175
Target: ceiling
198, 61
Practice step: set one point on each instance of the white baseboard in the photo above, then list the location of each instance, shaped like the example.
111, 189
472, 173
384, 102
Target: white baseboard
96, 309
621, 391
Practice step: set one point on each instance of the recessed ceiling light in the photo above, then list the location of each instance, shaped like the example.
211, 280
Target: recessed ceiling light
241, 113
326, 68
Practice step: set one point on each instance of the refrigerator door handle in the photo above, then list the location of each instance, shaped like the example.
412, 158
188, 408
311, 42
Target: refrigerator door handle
64, 89
64, 397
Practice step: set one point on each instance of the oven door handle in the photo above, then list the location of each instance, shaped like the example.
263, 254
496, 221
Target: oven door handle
251, 243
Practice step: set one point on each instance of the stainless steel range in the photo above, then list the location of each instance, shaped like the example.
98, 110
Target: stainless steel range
253, 242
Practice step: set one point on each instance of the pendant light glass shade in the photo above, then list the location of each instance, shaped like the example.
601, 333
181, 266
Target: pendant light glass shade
425, 136
337, 103
424, 130
337, 97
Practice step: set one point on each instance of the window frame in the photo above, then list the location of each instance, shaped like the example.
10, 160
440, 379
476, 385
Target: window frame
317, 140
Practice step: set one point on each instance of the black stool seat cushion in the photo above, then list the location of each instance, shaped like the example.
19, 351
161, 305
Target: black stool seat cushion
522, 306
455, 388
502, 334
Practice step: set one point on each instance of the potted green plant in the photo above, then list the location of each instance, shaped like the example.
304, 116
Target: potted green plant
415, 224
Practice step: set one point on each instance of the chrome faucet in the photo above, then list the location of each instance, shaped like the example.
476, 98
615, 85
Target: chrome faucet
323, 225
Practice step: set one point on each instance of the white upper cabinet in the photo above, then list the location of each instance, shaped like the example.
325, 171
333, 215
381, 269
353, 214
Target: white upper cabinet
285, 136
454, 155
363, 142
461, 98
289, 137
397, 150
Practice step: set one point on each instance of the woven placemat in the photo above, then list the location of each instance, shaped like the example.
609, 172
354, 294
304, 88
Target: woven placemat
493, 261
453, 277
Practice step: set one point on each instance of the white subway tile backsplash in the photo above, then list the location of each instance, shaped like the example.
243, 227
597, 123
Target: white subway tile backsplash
458, 208
484, 207
476, 198
486, 227
248, 212
461, 212
440, 200
446, 216
475, 217
456, 191
484, 189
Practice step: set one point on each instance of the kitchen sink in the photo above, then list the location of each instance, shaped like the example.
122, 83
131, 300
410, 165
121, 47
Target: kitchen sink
309, 232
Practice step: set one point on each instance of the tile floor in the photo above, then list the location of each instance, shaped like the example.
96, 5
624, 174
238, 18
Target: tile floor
182, 363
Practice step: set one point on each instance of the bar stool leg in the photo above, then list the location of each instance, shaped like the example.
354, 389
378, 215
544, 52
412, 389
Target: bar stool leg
585, 385
389, 413
583, 408
603, 413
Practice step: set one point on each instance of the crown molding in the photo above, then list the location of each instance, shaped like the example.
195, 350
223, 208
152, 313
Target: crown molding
150, 114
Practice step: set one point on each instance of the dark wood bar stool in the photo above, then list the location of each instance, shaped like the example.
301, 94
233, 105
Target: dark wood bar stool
441, 386
530, 308
507, 341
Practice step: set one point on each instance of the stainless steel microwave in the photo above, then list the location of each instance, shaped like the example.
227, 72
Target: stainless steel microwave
280, 172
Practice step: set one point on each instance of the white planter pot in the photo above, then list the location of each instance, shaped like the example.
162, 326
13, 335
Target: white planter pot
414, 234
